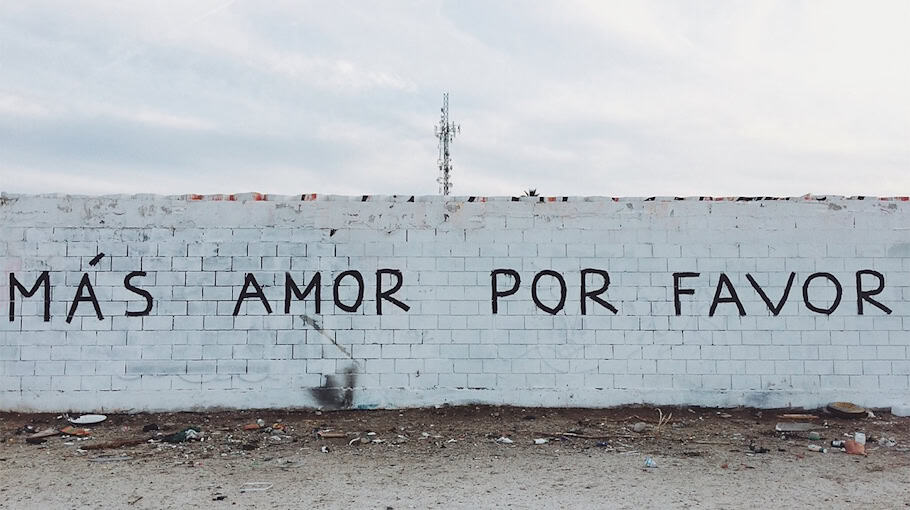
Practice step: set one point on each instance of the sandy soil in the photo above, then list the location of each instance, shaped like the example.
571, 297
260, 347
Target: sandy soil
450, 458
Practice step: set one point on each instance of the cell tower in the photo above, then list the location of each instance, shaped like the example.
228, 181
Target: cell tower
445, 131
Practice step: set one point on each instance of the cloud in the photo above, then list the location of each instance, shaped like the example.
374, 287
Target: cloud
581, 98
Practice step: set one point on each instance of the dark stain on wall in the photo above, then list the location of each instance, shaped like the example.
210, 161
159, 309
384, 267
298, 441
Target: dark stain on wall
337, 392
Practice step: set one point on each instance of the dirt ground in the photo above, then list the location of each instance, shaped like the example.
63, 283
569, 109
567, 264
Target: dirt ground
455, 457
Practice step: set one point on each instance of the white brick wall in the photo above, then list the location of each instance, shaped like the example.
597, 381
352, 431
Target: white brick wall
190, 351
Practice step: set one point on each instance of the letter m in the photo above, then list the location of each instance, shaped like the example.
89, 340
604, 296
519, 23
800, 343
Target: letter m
15, 285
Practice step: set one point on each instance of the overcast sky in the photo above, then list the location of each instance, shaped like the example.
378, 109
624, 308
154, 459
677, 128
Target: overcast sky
627, 98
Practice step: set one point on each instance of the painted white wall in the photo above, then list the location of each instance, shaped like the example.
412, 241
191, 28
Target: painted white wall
190, 352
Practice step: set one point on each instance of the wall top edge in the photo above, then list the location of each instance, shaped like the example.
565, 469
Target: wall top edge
306, 197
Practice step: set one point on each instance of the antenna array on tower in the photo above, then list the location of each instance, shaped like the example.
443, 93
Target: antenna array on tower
445, 132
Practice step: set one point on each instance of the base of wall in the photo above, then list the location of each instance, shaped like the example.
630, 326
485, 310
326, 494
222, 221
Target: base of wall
192, 400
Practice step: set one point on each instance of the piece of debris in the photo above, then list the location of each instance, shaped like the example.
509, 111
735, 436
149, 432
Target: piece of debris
870, 414
541, 440
758, 449
650, 463
87, 419
860, 438
504, 440
252, 426
886, 442
48, 432
219, 497
184, 435
854, 448
331, 434
25, 429
725, 415
797, 416
70, 430
846, 410
817, 448
324, 449
797, 426
135, 500
255, 486
35, 440
602, 444
814, 436
640, 427
150, 427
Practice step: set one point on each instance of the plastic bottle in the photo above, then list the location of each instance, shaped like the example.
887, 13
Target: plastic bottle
817, 448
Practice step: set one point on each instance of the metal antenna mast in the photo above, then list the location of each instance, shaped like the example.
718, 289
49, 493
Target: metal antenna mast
445, 131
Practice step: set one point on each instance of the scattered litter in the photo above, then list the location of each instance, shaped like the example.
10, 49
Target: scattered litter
88, 419
371, 433
886, 441
860, 438
184, 435
324, 449
814, 436
219, 497
255, 486
110, 458
602, 444
504, 440
817, 448
252, 426
640, 427
837, 443
758, 449
846, 410
278, 426
870, 414
650, 463
73, 431
541, 440
725, 415
35, 440
25, 429
150, 427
